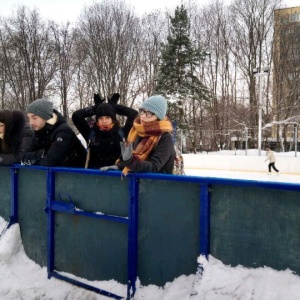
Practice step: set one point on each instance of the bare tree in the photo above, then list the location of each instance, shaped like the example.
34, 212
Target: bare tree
252, 21
64, 39
154, 33
29, 54
111, 33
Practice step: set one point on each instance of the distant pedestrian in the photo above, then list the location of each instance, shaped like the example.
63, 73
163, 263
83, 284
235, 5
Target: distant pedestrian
272, 159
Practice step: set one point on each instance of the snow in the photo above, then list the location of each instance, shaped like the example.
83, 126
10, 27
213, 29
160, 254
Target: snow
22, 278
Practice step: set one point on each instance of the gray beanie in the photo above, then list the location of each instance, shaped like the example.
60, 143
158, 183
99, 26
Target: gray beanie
156, 104
42, 108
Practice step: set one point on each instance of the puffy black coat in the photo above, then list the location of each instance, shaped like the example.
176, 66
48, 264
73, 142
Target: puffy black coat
55, 145
104, 146
18, 135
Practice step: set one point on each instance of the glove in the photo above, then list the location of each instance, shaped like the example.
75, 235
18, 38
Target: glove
114, 167
126, 151
98, 100
114, 99
32, 158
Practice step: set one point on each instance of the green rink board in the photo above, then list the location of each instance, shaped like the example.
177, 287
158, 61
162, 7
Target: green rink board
255, 227
249, 226
92, 248
168, 235
32, 216
5, 192
94, 193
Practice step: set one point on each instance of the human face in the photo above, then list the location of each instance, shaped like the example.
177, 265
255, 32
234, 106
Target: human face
147, 116
104, 122
2, 127
36, 122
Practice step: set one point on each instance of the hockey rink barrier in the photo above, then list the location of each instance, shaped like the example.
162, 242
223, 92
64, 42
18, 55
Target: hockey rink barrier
101, 226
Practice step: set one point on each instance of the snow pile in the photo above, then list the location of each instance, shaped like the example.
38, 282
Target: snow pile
21, 278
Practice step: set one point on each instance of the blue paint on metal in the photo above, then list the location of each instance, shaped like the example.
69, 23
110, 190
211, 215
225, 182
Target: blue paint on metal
69, 207
132, 237
50, 221
204, 219
14, 197
86, 286
53, 205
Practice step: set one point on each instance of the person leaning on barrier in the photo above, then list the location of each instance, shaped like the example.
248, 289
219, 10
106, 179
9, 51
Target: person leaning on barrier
54, 142
149, 147
104, 137
14, 136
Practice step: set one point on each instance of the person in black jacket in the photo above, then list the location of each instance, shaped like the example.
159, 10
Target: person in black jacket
14, 136
104, 136
54, 143
149, 147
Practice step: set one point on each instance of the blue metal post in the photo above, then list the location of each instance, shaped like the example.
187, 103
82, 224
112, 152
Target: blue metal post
204, 219
50, 221
132, 236
14, 196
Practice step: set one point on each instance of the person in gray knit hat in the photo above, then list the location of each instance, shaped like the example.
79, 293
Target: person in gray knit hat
42, 108
149, 146
54, 143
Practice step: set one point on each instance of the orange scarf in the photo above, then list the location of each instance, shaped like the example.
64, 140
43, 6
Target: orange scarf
151, 133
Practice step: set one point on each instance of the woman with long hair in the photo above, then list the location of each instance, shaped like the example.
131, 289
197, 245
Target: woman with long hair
14, 136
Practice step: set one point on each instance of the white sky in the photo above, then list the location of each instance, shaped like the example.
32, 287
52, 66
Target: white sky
63, 10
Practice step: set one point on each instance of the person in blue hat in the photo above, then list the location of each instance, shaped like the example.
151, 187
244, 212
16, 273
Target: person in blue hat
149, 146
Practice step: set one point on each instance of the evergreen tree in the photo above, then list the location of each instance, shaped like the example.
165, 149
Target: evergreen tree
178, 65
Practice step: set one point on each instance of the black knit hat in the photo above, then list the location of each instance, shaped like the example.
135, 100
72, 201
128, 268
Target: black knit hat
105, 109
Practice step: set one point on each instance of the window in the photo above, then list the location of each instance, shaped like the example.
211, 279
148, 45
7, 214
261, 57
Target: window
295, 17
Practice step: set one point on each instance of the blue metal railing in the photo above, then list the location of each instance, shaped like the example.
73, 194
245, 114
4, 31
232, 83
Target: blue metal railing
58, 205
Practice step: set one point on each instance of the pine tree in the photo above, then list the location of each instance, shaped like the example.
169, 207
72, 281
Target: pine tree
176, 76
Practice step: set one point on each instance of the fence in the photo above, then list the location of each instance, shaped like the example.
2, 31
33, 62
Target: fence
98, 226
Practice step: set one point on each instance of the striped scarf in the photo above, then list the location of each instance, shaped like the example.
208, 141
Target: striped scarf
150, 133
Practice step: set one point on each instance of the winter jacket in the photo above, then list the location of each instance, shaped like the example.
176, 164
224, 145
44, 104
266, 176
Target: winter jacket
55, 145
161, 160
18, 135
104, 146
270, 156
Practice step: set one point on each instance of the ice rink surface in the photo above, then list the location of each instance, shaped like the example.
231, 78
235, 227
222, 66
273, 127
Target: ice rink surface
258, 176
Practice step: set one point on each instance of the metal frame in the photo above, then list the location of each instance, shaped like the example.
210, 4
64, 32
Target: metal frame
52, 206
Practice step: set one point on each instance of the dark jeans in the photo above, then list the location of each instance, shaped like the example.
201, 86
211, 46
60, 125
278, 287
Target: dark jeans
272, 165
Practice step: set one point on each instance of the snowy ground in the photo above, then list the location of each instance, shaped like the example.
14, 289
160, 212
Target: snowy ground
21, 278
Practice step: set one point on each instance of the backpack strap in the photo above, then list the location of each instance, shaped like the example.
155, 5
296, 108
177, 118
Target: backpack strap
121, 134
91, 136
